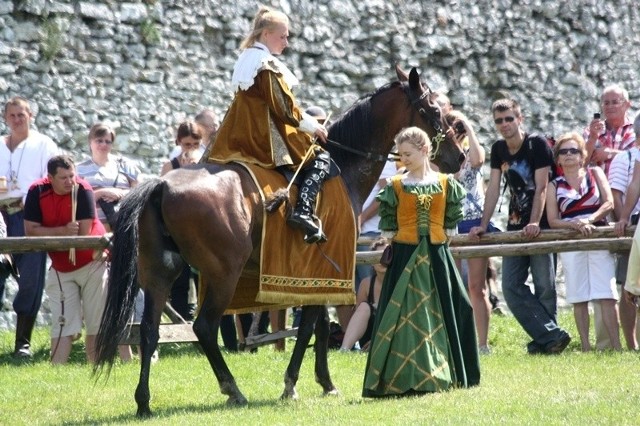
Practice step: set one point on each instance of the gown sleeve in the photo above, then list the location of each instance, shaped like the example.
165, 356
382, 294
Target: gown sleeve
280, 100
387, 210
455, 194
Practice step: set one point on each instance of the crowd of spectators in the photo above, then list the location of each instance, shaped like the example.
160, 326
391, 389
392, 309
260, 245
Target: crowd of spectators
596, 190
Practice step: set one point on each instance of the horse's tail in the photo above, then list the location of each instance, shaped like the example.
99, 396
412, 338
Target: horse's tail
123, 276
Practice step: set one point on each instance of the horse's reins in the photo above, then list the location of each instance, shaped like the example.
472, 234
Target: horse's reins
367, 155
415, 102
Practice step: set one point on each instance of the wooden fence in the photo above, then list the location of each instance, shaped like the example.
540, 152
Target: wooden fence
498, 244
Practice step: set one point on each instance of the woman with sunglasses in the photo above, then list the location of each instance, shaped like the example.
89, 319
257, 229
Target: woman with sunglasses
111, 176
580, 199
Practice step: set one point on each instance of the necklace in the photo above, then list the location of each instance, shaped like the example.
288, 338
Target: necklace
13, 174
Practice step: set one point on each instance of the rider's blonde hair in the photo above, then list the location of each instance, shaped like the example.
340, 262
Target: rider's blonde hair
265, 19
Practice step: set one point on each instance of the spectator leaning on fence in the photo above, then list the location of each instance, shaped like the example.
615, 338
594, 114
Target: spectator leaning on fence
620, 172
580, 199
63, 205
524, 160
23, 159
632, 282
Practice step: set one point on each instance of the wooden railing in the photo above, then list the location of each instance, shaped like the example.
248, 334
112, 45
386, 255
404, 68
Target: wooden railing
498, 244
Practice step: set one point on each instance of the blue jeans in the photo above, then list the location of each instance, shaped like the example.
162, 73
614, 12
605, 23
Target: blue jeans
364, 271
31, 267
536, 312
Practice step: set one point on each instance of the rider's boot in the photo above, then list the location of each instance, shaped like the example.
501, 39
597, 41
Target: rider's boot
303, 215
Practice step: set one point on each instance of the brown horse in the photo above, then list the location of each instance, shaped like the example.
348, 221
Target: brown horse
211, 216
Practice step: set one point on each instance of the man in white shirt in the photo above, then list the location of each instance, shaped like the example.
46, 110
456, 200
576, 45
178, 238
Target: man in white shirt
620, 173
24, 154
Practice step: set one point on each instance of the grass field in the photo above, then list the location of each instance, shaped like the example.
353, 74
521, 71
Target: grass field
516, 388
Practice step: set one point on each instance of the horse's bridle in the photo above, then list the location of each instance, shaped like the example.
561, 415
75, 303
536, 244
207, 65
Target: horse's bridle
432, 119
415, 101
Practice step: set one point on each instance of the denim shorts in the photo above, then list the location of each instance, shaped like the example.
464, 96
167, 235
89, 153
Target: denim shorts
465, 226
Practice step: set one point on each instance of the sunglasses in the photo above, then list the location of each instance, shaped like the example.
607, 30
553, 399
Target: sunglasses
565, 151
190, 145
506, 119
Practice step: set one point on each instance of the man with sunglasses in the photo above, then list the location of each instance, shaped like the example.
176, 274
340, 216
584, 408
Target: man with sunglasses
525, 161
23, 159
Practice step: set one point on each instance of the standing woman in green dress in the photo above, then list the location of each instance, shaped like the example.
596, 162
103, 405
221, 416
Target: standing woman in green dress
424, 338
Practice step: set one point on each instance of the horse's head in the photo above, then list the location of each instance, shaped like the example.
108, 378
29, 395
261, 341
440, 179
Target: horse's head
447, 153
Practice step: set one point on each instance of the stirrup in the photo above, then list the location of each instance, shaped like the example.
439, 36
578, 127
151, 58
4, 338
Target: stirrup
315, 237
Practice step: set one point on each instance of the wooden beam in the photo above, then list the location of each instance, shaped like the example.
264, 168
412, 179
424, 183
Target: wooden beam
528, 249
268, 338
29, 244
545, 235
512, 243
516, 236
169, 333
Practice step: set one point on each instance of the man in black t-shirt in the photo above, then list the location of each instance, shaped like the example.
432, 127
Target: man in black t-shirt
525, 161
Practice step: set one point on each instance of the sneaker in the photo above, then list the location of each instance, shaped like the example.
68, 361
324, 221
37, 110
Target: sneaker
24, 352
534, 349
559, 345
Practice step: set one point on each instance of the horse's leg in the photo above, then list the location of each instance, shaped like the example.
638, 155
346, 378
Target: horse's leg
157, 269
149, 336
321, 346
206, 327
305, 330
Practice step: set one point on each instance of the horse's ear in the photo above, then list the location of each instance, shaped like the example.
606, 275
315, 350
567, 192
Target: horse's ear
402, 75
414, 79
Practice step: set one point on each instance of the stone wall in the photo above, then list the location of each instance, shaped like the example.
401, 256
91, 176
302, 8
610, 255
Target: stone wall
146, 65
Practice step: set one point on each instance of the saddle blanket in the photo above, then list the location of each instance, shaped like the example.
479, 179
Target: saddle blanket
292, 272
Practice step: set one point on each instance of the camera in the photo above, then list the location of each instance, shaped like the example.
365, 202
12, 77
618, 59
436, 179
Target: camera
459, 126
596, 116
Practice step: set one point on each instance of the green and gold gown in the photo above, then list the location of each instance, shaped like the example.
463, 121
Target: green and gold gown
424, 337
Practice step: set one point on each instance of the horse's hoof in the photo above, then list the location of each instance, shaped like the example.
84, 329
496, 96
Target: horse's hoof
143, 412
332, 392
237, 401
289, 395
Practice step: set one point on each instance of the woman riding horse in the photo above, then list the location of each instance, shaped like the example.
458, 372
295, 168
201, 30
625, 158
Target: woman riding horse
265, 126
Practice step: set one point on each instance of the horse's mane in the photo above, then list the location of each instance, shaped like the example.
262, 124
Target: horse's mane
353, 128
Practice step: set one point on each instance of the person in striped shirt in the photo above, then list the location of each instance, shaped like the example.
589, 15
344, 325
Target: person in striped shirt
580, 199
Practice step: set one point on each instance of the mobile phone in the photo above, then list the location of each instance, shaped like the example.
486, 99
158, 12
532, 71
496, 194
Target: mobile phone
596, 116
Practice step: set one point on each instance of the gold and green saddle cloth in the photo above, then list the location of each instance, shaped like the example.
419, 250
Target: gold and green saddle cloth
293, 272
